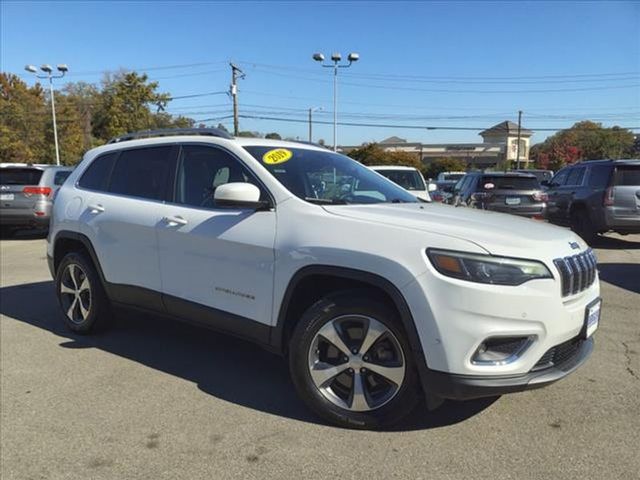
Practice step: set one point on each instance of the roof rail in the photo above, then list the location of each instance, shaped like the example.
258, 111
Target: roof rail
167, 132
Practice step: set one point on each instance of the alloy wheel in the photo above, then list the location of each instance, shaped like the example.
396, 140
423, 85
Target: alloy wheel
356, 363
75, 293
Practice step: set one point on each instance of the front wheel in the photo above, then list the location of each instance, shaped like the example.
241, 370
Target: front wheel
351, 363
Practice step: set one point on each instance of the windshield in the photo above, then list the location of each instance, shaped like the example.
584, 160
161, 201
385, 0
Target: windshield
325, 177
20, 176
407, 179
508, 183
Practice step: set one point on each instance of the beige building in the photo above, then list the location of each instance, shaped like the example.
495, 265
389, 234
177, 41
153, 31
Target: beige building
500, 143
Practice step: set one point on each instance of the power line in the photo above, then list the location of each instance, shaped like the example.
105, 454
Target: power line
464, 78
414, 127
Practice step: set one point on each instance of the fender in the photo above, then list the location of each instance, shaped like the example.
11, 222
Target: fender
277, 334
79, 237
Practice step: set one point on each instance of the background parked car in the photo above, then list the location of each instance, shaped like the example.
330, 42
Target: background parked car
597, 196
511, 192
26, 194
408, 178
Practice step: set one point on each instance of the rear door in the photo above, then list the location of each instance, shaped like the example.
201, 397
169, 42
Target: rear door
122, 211
14, 200
626, 191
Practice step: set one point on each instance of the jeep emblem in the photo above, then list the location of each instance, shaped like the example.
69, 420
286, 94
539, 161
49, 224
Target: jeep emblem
574, 245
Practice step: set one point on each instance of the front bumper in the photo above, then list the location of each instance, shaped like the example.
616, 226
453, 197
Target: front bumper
466, 387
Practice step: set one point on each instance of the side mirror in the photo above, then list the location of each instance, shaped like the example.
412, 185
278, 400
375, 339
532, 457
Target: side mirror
238, 195
432, 187
545, 183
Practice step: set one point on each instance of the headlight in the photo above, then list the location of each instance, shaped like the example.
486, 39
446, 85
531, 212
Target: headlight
487, 268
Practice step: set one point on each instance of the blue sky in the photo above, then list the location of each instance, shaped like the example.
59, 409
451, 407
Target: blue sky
467, 64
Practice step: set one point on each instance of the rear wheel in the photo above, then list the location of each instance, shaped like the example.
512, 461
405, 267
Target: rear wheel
351, 363
80, 294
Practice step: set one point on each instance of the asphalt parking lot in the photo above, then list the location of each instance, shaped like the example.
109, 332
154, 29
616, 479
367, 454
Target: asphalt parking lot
160, 400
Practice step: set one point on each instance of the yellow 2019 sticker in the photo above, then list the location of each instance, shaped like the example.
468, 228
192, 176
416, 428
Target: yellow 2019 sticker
279, 155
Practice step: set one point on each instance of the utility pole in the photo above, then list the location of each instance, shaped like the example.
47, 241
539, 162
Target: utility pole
311, 110
518, 144
235, 74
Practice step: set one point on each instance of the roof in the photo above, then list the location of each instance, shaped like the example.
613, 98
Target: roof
504, 174
394, 139
391, 167
507, 127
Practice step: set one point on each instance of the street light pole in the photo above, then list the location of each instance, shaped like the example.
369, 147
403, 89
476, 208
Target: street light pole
63, 69
336, 58
311, 110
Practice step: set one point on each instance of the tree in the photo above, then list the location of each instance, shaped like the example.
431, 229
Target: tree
125, 105
449, 164
585, 140
23, 114
274, 136
373, 154
249, 134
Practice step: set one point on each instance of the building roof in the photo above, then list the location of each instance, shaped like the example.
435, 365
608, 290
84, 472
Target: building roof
507, 127
394, 140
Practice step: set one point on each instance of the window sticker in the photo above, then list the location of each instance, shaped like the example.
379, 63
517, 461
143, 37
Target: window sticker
279, 155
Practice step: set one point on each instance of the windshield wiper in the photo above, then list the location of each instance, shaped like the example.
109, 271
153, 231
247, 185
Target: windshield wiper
325, 201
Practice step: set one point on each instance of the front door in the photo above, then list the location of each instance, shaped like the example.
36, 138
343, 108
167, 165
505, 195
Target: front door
221, 259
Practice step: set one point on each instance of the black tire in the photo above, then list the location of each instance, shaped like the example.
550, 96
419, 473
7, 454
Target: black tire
93, 313
325, 312
582, 225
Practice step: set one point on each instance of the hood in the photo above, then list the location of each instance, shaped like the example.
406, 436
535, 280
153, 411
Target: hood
497, 233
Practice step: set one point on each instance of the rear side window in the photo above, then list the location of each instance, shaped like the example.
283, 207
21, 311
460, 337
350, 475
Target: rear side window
60, 177
20, 176
142, 172
627, 175
96, 177
508, 183
599, 176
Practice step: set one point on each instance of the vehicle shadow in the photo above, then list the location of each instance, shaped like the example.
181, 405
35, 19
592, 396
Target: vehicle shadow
623, 275
22, 234
631, 242
227, 368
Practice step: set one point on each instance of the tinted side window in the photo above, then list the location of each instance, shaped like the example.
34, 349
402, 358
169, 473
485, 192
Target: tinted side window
575, 176
627, 175
560, 178
599, 176
202, 169
60, 177
96, 177
142, 172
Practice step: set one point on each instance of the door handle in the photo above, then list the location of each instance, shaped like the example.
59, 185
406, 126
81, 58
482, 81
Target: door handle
173, 221
97, 208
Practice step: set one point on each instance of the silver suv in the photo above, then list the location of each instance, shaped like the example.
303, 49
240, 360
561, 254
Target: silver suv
26, 194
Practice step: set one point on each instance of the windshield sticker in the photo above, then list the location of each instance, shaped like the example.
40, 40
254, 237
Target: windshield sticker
489, 186
279, 155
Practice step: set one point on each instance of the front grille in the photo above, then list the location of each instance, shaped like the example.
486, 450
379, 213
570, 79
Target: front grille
577, 272
560, 354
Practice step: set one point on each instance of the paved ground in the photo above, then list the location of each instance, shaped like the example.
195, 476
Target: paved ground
157, 400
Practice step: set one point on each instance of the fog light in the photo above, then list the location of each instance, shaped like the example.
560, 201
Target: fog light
501, 350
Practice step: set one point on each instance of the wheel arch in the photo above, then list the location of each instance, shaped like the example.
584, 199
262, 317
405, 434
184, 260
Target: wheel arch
67, 241
331, 279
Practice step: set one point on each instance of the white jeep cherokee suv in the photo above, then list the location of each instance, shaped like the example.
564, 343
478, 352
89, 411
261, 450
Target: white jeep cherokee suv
378, 301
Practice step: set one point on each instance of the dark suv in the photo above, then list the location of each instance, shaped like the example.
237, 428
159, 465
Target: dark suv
509, 192
597, 196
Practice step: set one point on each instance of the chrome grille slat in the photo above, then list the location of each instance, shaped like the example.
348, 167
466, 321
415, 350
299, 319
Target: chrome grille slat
577, 272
